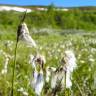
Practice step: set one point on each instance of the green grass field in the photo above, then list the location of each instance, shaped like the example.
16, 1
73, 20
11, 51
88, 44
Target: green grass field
53, 47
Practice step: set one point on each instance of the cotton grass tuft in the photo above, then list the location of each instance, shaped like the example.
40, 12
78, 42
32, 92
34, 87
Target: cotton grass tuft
23, 35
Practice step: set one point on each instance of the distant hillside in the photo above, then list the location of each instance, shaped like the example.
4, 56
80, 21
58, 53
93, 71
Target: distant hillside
85, 7
29, 8
14, 8
42, 8
48, 17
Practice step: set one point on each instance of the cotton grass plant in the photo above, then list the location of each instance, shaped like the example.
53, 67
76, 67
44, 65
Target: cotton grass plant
22, 34
37, 81
69, 64
61, 77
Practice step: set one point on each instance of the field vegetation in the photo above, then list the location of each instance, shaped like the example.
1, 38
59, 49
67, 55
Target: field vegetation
54, 32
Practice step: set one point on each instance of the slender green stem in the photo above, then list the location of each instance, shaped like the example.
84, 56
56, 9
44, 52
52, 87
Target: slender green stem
79, 88
13, 71
65, 84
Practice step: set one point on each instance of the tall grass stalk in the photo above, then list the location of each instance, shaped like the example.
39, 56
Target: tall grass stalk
81, 92
13, 71
65, 84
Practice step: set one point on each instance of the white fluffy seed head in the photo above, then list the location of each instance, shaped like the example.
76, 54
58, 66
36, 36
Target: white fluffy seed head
37, 82
25, 28
5, 69
69, 60
23, 34
32, 61
69, 64
57, 77
37, 61
40, 59
49, 71
22, 91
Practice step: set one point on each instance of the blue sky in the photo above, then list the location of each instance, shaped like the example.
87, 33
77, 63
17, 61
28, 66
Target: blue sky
64, 3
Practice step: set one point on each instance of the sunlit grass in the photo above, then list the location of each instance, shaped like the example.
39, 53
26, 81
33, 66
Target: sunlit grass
52, 46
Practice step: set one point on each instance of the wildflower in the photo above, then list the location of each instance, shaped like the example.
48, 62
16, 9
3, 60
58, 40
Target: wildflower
23, 34
68, 80
38, 77
38, 81
69, 60
8, 45
40, 59
49, 71
37, 59
35, 74
7, 58
56, 80
91, 59
32, 61
69, 64
23, 91
82, 61
57, 77
4, 70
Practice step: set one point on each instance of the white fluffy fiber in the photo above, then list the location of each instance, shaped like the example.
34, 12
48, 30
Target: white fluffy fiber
25, 36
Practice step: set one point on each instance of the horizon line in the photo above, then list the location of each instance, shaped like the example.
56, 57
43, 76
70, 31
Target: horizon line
48, 5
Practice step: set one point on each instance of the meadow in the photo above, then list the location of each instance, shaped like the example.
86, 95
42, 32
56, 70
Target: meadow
54, 32
52, 46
